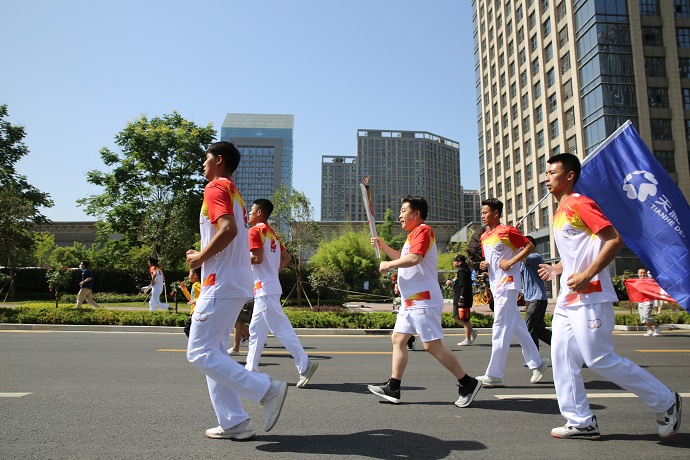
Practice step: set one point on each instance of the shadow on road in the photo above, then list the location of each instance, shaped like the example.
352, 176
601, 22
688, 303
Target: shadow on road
382, 444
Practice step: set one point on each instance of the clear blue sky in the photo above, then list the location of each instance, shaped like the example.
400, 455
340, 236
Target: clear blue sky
75, 72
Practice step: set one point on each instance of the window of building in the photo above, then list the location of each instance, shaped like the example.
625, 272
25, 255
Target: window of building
652, 36
542, 164
516, 133
537, 90
513, 90
567, 90
553, 102
516, 158
511, 69
526, 124
521, 35
546, 27
525, 101
532, 20
509, 185
522, 57
554, 128
686, 97
649, 7
681, 8
569, 118
655, 67
535, 67
538, 115
550, 78
684, 67
523, 78
565, 63
561, 10
528, 149
540, 139
533, 43
528, 172
518, 178
544, 217
518, 200
667, 159
661, 129
499, 189
683, 37
548, 52
498, 166
687, 130
509, 205
563, 37
530, 196
658, 97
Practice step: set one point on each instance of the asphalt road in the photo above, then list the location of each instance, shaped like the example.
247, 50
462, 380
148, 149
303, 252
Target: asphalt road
114, 395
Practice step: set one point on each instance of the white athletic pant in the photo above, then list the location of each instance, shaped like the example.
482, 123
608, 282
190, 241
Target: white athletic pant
207, 349
584, 335
267, 316
155, 300
509, 323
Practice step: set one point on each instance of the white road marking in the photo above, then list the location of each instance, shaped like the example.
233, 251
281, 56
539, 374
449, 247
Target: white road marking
589, 395
13, 395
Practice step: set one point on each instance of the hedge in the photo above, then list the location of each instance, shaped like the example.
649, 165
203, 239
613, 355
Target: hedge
300, 318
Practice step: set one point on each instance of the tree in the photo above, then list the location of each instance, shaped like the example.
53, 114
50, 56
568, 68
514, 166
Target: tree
153, 193
385, 232
292, 219
20, 202
44, 245
351, 256
13, 149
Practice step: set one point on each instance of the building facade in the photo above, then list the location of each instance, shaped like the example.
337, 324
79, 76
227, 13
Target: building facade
558, 76
265, 143
471, 206
398, 163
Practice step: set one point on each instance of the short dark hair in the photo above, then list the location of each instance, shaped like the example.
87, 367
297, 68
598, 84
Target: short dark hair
197, 271
531, 240
153, 261
459, 258
495, 204
228, 151
265, 205
85, 263
417, 203
569, 161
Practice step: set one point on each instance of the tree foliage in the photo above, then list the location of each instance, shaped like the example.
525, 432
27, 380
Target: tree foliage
351, 256
293, 220
13, 149
154, 189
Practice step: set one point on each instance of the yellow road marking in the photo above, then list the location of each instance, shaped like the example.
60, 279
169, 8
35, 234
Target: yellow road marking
663, 351
269, 353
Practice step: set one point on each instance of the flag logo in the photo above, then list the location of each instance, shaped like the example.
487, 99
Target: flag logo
640, 185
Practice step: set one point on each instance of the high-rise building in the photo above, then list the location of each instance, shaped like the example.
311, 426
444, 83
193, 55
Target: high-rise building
471, 206
398, 163
560, 76
265, 143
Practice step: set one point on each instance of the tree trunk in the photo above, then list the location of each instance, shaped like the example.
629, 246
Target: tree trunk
13, 273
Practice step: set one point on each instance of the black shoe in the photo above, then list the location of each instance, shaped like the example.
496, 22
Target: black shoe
467, 393
384, 391
412, 343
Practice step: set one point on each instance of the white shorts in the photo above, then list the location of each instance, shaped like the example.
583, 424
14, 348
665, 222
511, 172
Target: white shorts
645, 310
423, 321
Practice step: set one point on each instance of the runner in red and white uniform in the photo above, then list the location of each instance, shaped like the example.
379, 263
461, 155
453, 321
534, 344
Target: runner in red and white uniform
422, 303
503, 248
583, 318
226, 285
268, 257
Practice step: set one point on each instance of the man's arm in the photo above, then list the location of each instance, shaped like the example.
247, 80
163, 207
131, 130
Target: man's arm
406, 261
285, 259
519, 257
256, 256
227, 231
612, 244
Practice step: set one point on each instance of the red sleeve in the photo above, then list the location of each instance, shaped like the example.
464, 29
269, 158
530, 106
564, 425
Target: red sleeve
255, 238
218, 201
592, 216
421, 239
516, 238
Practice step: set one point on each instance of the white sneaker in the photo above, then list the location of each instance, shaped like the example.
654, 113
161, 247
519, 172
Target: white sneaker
657, 331
233, 352
466, 400
491, 382
648, 333
309, 371
274, 404
570, 432
244, 430
465, 343
669, 421
538, 373
470, 341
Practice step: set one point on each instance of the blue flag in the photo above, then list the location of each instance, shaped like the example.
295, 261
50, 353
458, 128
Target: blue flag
644, 204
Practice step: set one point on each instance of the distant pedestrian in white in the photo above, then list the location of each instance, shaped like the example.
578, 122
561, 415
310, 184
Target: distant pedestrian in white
157, 285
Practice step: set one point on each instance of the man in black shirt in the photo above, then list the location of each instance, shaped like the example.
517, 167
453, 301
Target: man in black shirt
462, 299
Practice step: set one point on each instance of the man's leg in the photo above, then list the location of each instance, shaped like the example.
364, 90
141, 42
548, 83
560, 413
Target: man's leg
532, 321
400, 354
90, 299
567, 363
280, 326
505, 317
594, 334
207, 350
446, 357
258, 331
81, 295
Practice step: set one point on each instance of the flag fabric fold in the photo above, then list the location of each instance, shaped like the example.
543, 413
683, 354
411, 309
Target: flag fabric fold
644, 204
646, 290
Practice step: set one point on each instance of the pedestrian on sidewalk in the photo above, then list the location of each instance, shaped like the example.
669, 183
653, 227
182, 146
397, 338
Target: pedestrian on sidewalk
86, 286
462, 299
536, 298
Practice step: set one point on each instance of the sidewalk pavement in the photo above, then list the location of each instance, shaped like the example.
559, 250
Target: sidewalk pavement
447, 307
